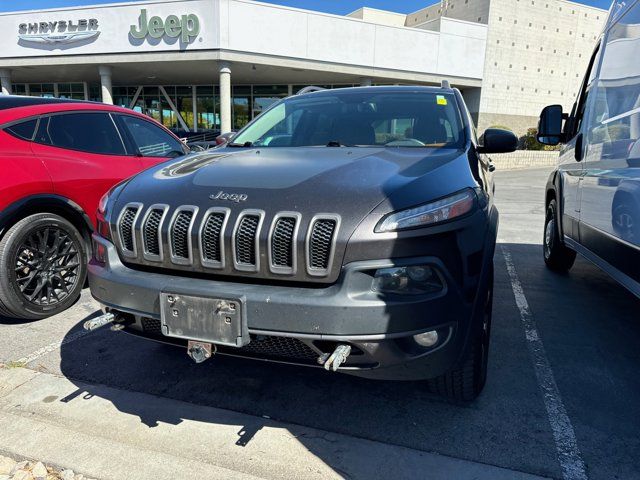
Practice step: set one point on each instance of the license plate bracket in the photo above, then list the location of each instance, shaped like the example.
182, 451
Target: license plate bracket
218, 320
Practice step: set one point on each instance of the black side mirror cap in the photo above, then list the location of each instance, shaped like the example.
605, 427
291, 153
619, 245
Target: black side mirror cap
550, 125
497, 140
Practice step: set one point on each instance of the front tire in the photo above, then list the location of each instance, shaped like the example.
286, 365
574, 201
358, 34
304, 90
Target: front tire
43, 267
557, 256
465, 382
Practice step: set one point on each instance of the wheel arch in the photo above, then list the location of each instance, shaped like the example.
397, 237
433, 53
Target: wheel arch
47, 203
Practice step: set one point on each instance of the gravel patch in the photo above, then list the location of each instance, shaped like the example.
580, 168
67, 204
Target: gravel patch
11, 469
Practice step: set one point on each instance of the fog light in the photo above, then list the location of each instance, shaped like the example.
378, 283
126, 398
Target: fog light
426, 339
412, 280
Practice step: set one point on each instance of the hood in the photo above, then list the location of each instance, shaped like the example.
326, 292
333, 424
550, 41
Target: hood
343, 184
347, 181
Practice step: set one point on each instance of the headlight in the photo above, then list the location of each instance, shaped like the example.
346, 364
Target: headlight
413, 280
103, 214
431, 213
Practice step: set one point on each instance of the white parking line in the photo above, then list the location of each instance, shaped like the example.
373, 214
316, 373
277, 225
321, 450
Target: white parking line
53, 346
573, 467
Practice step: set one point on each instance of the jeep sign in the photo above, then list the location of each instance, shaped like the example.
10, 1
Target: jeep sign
187, 27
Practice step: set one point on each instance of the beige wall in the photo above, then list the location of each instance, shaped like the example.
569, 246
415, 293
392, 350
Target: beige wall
537, 53
469, 10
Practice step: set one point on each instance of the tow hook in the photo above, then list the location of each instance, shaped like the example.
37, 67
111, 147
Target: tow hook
101, 321
337, 358
199, 351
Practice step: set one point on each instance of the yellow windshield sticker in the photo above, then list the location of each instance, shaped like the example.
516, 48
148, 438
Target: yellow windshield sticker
441, 100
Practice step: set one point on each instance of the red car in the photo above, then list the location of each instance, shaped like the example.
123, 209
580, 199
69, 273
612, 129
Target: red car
57, 158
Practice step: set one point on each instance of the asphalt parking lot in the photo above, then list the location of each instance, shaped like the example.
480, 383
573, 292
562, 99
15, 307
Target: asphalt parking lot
561, 399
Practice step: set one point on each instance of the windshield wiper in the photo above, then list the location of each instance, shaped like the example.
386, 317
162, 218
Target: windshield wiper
240, 145
337, 143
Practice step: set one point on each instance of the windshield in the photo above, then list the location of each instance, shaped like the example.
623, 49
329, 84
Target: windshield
358, 118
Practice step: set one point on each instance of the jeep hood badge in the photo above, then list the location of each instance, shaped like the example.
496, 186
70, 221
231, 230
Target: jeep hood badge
232, 197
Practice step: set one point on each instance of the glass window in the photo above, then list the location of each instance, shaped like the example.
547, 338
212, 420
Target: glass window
361, 118
88, 132
19, 89
42, 90
613, 123
23, 130
151, 140
71, 90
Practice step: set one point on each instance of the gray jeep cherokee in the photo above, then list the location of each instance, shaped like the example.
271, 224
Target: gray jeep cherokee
351, 230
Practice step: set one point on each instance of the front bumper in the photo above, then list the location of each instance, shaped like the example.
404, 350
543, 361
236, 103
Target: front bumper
293, 324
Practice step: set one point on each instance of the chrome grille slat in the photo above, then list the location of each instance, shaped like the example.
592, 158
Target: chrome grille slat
126, 228
320, 244
283, 250
245, 241
211, 237
180, 235
282, 242
151, 232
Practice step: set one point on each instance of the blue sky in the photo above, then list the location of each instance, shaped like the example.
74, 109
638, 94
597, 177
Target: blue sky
340, 7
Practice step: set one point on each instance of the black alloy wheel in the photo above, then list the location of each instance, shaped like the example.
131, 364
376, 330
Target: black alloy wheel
43, 267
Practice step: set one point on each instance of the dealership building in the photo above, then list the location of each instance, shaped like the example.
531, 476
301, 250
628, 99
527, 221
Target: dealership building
203, 65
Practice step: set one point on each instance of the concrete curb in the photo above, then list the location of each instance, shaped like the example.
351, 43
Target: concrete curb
141, 436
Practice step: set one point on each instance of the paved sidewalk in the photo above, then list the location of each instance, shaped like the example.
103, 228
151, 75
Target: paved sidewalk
48, 417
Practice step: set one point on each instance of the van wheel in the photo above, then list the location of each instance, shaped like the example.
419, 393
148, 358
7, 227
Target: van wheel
557, 255
465, 383
43, 266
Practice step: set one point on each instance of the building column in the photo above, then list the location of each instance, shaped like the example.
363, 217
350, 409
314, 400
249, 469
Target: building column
365, 82
105, 80
225, 97
5, 81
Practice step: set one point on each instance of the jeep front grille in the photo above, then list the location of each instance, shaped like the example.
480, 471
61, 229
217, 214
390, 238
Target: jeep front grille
179, 234
212, 244
282, 243
320, 245
245, 242
220, 240
125, 228
151, 232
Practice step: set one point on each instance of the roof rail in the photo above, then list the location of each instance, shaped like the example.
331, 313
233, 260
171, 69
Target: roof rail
309, 89
445, 84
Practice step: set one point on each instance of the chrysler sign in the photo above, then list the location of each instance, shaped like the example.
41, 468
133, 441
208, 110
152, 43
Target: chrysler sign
58, 31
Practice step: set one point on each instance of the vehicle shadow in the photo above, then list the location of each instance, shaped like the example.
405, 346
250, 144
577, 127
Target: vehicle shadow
569, 311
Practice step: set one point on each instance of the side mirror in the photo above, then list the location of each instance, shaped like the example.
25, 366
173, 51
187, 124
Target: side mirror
496, 140
550, 125
224, 138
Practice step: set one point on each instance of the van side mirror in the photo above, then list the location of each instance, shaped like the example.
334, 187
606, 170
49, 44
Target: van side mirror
550, 125
497, 140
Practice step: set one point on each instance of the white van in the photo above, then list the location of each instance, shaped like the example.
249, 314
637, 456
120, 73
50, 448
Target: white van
593, 197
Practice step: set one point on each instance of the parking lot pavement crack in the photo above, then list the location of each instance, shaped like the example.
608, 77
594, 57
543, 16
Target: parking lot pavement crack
14, 378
